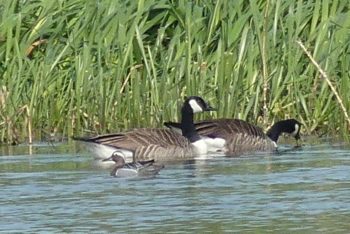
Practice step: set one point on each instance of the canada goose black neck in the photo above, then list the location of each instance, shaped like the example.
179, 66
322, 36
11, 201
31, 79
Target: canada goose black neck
188, 128
192, 105
290, 126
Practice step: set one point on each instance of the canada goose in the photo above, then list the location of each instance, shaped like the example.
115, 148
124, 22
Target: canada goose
122, 169
154, 143
242, 137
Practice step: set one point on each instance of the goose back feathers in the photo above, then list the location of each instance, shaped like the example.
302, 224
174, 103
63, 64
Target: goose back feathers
147, 143
240, 136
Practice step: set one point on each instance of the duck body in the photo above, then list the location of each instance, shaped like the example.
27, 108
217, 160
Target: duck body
134, 169
157, 144
241, 137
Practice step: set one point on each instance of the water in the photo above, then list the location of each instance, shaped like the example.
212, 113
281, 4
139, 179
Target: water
57, 189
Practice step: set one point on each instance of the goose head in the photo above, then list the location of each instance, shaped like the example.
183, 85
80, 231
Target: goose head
289, 126
191, 105
195, 104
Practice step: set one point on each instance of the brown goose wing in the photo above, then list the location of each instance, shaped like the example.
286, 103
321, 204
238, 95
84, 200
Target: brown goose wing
147, 143
241, 137
228, 127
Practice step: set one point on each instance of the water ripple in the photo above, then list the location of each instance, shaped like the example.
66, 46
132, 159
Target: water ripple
296, 191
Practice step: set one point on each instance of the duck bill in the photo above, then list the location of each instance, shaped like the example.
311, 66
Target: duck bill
107, 159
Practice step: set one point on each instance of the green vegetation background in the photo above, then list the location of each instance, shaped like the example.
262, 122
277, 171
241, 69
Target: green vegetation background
82, 67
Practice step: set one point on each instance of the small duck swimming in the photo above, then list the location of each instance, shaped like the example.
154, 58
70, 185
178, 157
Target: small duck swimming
141, 168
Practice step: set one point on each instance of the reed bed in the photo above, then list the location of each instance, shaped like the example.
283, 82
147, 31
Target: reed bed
87, 67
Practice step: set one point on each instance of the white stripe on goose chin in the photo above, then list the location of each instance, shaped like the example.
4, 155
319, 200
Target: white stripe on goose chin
296, 127
275, 144
195, 106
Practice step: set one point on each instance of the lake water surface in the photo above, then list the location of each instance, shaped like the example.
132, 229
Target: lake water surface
57, 189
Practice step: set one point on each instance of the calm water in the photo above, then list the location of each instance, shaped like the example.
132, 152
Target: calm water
57, 189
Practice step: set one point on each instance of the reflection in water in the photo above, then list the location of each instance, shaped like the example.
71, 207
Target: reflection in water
57, 190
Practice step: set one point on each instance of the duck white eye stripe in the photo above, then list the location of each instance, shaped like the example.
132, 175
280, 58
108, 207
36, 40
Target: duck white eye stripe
195, 106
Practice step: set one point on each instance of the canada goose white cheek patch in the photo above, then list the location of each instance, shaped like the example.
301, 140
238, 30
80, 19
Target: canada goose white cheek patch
274, 144
195, 106
296, 127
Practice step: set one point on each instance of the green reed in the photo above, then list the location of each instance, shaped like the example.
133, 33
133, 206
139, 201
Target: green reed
87, 67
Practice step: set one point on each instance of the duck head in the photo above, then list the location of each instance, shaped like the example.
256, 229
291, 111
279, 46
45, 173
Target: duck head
118, 158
